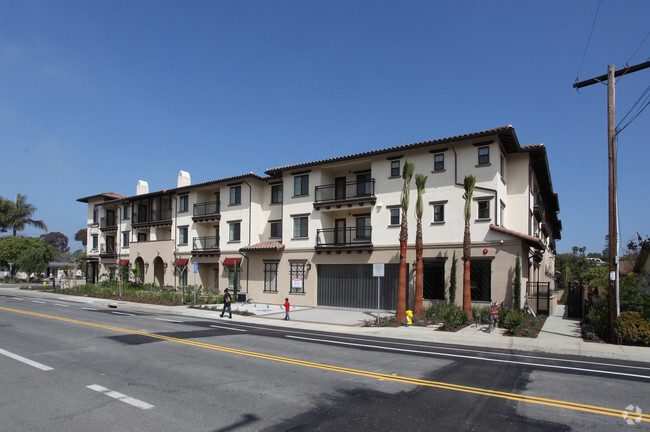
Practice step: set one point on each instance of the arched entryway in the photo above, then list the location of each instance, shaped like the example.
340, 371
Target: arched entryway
158, 271
139, 269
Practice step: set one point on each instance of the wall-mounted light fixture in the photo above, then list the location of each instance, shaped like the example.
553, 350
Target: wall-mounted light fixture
308, 266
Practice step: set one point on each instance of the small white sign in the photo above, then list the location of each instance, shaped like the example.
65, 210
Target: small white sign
296, 283
378, 270
612, 275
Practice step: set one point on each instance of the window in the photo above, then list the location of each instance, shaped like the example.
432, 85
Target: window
484, 209
438, 212
394, 169
433, 280
503, 168
182, 236
439, 162
142, 237
126, 212
183, 203
276, 229
235, 195
297, 277
364, 184
235, 231
95, 242
95, 214
125, 239
364, 230
182, 276
480, 279
232, 272
394, 216
484, 155
301, 227
301, 185
271, 277
276, 194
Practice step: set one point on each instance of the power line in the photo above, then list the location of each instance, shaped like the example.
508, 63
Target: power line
637, 49
643, 106
588, 40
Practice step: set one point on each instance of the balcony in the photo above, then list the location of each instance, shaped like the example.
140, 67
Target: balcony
205, 246
158, 217
108, 224
107, 250
344, 239
206, 211
340, 194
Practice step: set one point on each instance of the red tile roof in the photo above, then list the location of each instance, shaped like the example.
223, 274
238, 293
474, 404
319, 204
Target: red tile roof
265, 246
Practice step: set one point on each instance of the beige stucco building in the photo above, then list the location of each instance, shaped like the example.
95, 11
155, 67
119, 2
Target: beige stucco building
311, 231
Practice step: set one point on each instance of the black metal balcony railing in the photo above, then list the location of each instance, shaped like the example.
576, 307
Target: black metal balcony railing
350, 191
107, 248
108, 222
153, 216
352, 236
206, 208
205, 243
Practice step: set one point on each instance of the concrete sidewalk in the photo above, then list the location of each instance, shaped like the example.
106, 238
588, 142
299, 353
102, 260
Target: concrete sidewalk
560, 335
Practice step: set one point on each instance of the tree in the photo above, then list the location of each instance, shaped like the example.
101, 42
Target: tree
407, 173
469, 184
12, 247
517, 293
57, 240
15, 215
452, 280
82, 236
33, 261
418, 310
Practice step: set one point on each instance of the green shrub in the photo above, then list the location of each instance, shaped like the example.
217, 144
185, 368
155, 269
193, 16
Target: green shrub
514, 321
480, 313
504, 313
598, 316
632, 329
452, 316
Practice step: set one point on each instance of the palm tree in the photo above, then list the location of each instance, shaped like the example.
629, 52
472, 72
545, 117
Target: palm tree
17, 215
407, 173
418, 310
470, 182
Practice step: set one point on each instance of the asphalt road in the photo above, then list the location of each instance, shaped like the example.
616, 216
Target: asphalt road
68, 366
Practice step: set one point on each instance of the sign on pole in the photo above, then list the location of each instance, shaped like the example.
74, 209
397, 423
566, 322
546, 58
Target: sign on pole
378, 272
196, 268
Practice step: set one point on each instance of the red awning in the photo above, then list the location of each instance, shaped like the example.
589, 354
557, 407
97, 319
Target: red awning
123, 262
181, 262
231, 261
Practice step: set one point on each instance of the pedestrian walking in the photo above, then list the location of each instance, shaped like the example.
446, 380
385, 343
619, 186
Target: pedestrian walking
287, 305
226, 303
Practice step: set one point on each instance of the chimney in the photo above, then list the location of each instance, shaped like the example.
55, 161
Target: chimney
142, 188
184, 178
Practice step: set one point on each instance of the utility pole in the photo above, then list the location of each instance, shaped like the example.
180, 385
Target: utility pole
611, 148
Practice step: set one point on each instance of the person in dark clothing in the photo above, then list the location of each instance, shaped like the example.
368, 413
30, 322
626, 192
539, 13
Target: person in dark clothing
226, 303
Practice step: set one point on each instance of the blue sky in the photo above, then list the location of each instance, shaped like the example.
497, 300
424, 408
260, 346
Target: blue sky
97, 95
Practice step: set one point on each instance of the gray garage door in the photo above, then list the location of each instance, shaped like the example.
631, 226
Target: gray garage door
353, 286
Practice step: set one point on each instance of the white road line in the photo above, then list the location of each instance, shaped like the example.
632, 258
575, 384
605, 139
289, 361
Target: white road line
169, 320
59, 304
87, 308
16, 298
122, 313
27, 361
471, 357
121, 397
36, 301
229, 328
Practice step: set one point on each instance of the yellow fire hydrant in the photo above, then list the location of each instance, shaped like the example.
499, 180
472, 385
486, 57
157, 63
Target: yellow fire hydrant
409, 315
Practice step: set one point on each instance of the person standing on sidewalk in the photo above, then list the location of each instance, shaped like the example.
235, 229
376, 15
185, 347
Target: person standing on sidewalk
226, 303
287, 305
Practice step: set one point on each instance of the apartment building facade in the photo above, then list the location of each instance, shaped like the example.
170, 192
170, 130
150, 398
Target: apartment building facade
312, 231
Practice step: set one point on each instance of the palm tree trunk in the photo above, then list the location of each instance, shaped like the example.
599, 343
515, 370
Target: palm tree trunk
418, 309
400, 313
467, 288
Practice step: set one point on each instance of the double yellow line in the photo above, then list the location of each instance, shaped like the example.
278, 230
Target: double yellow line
465, 389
